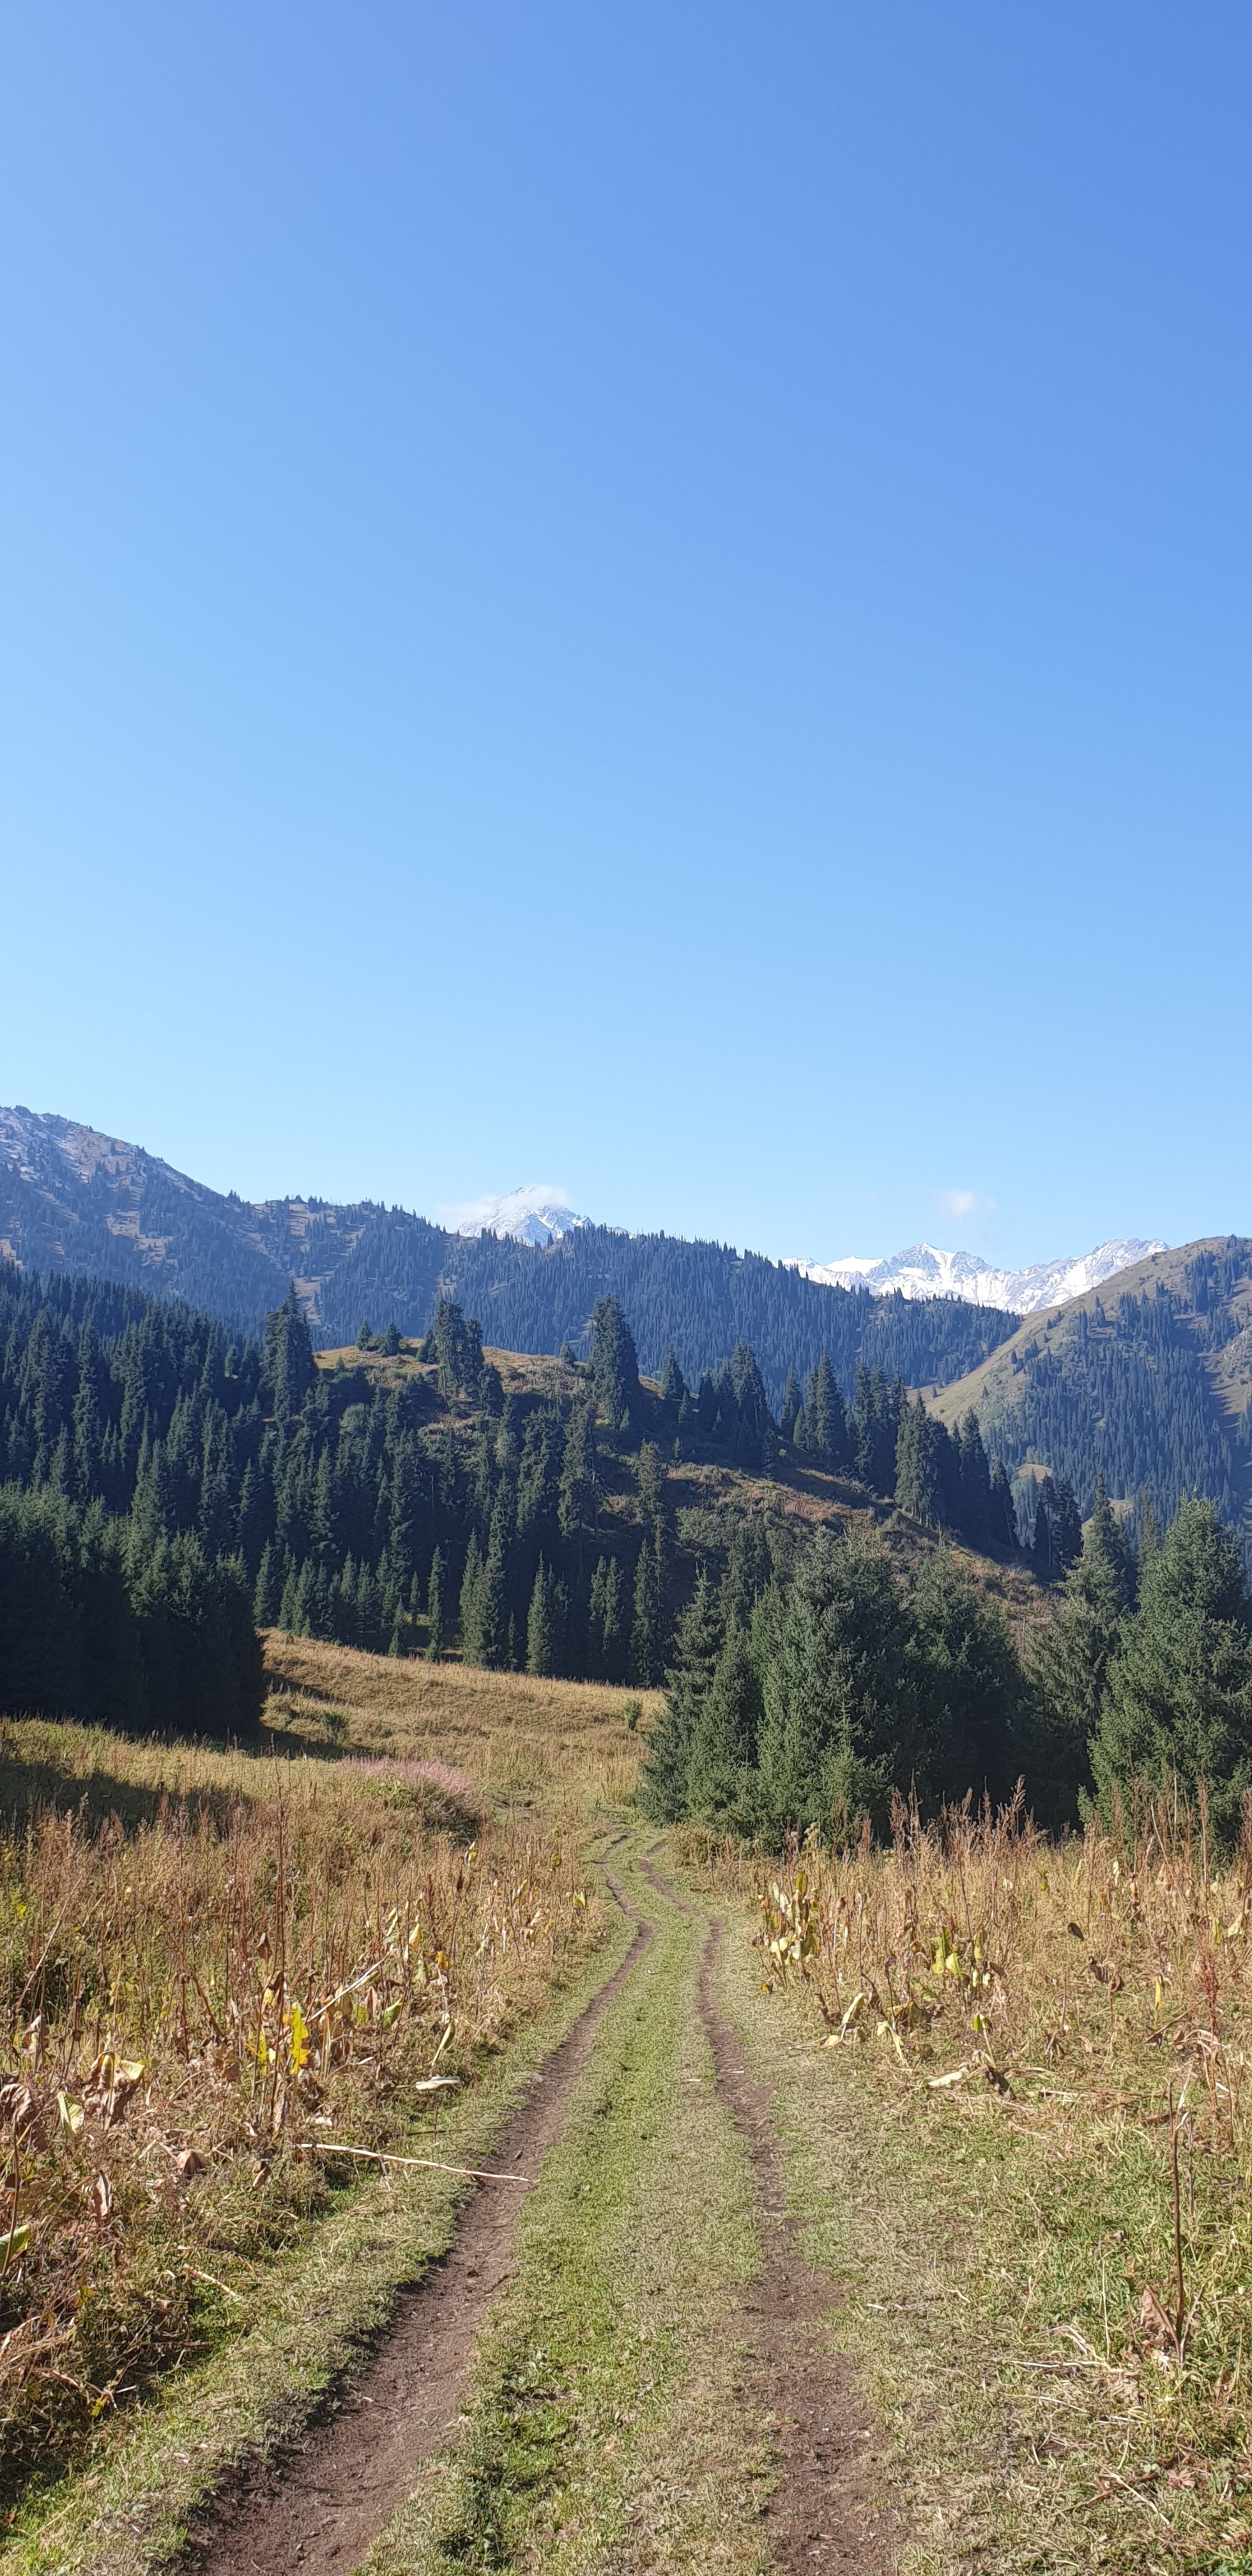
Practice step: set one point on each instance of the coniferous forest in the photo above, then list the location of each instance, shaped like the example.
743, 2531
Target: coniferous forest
1145, 1388
165, 1489
165, 1493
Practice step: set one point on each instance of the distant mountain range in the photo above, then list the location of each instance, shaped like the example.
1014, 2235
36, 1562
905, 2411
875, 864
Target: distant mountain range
72, 1199
1150, 1385
538, 1213
924, 1271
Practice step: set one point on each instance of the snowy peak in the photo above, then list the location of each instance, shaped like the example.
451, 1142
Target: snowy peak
537, 1213
925, 1271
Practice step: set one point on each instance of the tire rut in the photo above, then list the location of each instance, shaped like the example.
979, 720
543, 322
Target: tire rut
317, 2507
830, 2453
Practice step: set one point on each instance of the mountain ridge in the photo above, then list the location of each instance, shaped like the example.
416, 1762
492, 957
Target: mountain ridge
74, 1199
1149, 1387
924, 1270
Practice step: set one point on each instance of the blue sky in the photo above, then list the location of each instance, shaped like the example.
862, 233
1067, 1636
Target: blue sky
654, 598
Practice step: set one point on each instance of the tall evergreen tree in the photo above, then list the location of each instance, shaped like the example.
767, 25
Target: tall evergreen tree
288, 1368
968, 1689
435, 1620
722, 1783
1178, 1703
542, 1640
917, 1488
663, 1785
790, 1406
614, 1364
1072, 1663
838, 1729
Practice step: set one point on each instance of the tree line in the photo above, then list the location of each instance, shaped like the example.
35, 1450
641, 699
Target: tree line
861, 1682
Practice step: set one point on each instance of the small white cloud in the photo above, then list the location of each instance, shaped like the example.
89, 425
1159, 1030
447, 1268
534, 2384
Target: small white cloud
959, 1204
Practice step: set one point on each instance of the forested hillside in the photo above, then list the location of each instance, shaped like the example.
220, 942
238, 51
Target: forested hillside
162, 1487
76, 1202
1146, 1384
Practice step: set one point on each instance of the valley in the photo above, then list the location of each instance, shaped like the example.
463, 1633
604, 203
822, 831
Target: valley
572, 1941
845, 2231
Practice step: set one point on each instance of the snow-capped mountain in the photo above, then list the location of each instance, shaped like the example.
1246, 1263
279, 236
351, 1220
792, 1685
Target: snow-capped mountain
924, 1271
537, 1213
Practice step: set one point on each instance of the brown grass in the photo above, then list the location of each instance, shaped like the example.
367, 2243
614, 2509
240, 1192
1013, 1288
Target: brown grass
1084, 2013
215, 1967
570, 1749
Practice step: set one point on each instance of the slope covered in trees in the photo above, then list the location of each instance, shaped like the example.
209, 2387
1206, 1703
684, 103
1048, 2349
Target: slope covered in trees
163, 1488
1145, 1384
160, 1491
864, 1681
76, 1202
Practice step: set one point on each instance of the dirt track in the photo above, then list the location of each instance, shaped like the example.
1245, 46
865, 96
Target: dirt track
317, 2509
821, 2515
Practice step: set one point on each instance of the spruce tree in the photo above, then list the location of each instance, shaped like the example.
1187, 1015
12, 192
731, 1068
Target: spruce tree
673, 1383
470, 1607
435, 1608
917, 1464
1178, 1702
1072, 1661
266, 1597
838, 1730
1067, 1536
576, 1496
541, 1625
646, 1638
614, 1364
790, 1406
723, 1789
968, 1689
663, 1778
288, 1368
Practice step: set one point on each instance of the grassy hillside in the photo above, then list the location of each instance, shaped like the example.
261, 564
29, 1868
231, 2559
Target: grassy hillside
1146, 1381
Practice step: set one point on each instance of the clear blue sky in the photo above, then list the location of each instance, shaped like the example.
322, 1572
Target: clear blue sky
656, 598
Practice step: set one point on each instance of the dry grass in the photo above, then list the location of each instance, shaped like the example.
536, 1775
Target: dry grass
218, 1967
1077, 2021
569, 1749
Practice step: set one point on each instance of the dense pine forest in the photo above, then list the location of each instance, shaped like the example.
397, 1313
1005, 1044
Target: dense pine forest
164, 1489
864, 1687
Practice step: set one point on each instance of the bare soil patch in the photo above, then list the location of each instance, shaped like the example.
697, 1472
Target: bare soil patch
317, 2507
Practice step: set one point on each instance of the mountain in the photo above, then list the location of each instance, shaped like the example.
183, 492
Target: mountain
73, 1200
924, 1271
537, 1213
1149, 1386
